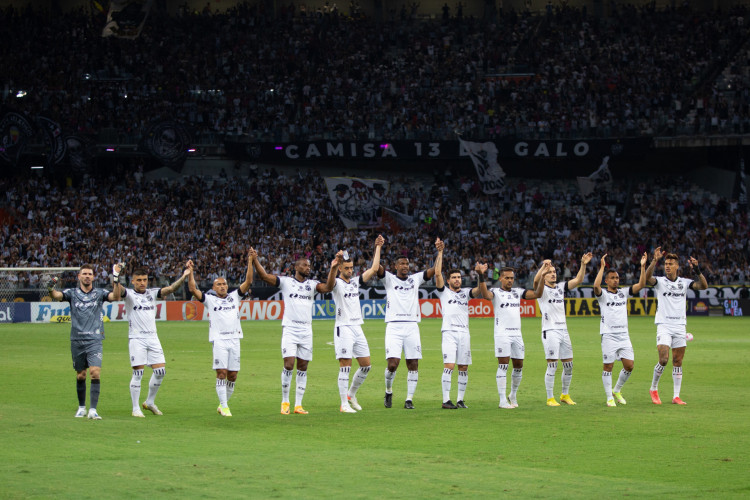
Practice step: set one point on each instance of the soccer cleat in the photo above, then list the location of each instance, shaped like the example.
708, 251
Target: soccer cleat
300, 410
354, 403
655, 397
619, 398
678, 401
388, 400
408, 404
448, 405
138, 413
513, 402
224, 411
505, 405
81, 412
152, 408
461, 404
346, 409
285, 408
611, 402
565, 398
93, 415
552, 402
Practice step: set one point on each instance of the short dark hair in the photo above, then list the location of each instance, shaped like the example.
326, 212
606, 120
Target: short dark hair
507, 269
140, 271
610, 271
86, 266
672, 256
400, 258
452, 271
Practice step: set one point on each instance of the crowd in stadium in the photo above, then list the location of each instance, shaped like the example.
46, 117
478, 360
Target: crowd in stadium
286, 216
240, 73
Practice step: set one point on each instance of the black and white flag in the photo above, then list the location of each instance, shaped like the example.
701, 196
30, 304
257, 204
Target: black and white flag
742, 197
16, 130
601, 178
357, 200
484, 156
126, 18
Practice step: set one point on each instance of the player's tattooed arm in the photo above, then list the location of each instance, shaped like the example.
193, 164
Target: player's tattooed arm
658, 254
700, 282
375, 267
429, 273
331, 281
192, 287
168, 290
438, 267
262, 274
585, 259
245, 285
642, 279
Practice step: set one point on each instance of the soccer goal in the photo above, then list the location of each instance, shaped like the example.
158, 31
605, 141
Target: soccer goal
30, 284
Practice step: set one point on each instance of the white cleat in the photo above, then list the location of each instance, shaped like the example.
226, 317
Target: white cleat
152, 408
93, 415
505, 405
138, 413
81, 412
354, 403
347, 409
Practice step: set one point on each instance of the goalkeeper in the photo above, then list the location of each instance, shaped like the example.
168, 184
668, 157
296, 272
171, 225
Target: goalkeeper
87, 330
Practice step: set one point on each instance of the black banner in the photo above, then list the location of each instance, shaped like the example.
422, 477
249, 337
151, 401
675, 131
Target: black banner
584, 149
168, 142
15, 133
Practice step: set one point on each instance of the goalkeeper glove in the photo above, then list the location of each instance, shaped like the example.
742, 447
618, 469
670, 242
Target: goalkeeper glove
116, 273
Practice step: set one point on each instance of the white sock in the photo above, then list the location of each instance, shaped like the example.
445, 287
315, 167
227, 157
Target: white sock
221, 390
463, 381
135, 388
286, 383
502, 382
359, 378
300, 388
411, 384
624, 376
515, 382
230, 390
567, 376
607, 383
153, 385
677, 380
389, 376
549, 379
344, 384
446, 380
658, 370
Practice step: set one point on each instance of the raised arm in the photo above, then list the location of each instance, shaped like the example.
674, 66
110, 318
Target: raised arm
438, 267
191, 282
169, 290
542, 273
581, 271
642, 279
599, 276
56, 295
331, 281
650, 280
538, 275
368, 274
117, 288
481, 291
700, 282
429, 273
245, 285
262, 274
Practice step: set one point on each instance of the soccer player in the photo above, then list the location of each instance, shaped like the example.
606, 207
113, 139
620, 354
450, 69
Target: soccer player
670, 318
613, 304
348, 338
224, 329
402, 317
143, 344
456, 343
555, 336
506, 302
298, 294
87, 331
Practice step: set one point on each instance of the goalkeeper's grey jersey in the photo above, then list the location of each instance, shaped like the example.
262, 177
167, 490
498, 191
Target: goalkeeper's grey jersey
86, 314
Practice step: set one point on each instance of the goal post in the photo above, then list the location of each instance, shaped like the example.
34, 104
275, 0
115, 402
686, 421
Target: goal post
30, 283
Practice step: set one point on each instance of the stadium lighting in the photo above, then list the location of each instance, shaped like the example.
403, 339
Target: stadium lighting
384, 146
279, 148
109, 150
21, 93
191, 150
37, 167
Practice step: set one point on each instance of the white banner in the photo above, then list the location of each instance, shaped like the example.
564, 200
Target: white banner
126, 18
59, 312
601, 178
357, 200
484, 156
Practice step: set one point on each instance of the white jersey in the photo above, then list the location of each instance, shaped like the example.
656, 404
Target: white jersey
346, 298
552, 306
141, 312
455, 306
671, 300
299, 297
507, 306
614, 311
223, 316
402, 296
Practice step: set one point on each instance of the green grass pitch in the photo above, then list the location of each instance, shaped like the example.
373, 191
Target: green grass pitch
589, 450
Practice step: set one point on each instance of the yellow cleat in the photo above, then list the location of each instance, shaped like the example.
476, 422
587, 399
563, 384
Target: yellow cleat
565, 398
619, 398
611, 402
285, 408
552, 402
300, 410
224, 411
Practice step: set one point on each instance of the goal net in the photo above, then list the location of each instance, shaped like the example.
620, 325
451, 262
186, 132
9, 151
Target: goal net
30, 284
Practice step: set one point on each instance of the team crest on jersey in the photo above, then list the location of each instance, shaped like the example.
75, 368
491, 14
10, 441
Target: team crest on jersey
308, 288
621, 295
514, 294
679, 285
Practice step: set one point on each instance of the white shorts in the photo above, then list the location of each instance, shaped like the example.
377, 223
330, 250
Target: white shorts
350, 342
145, 351
402, 336
614, 349
296, 343
509, 345
227, 354
671, 335
456, 347
557, 344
